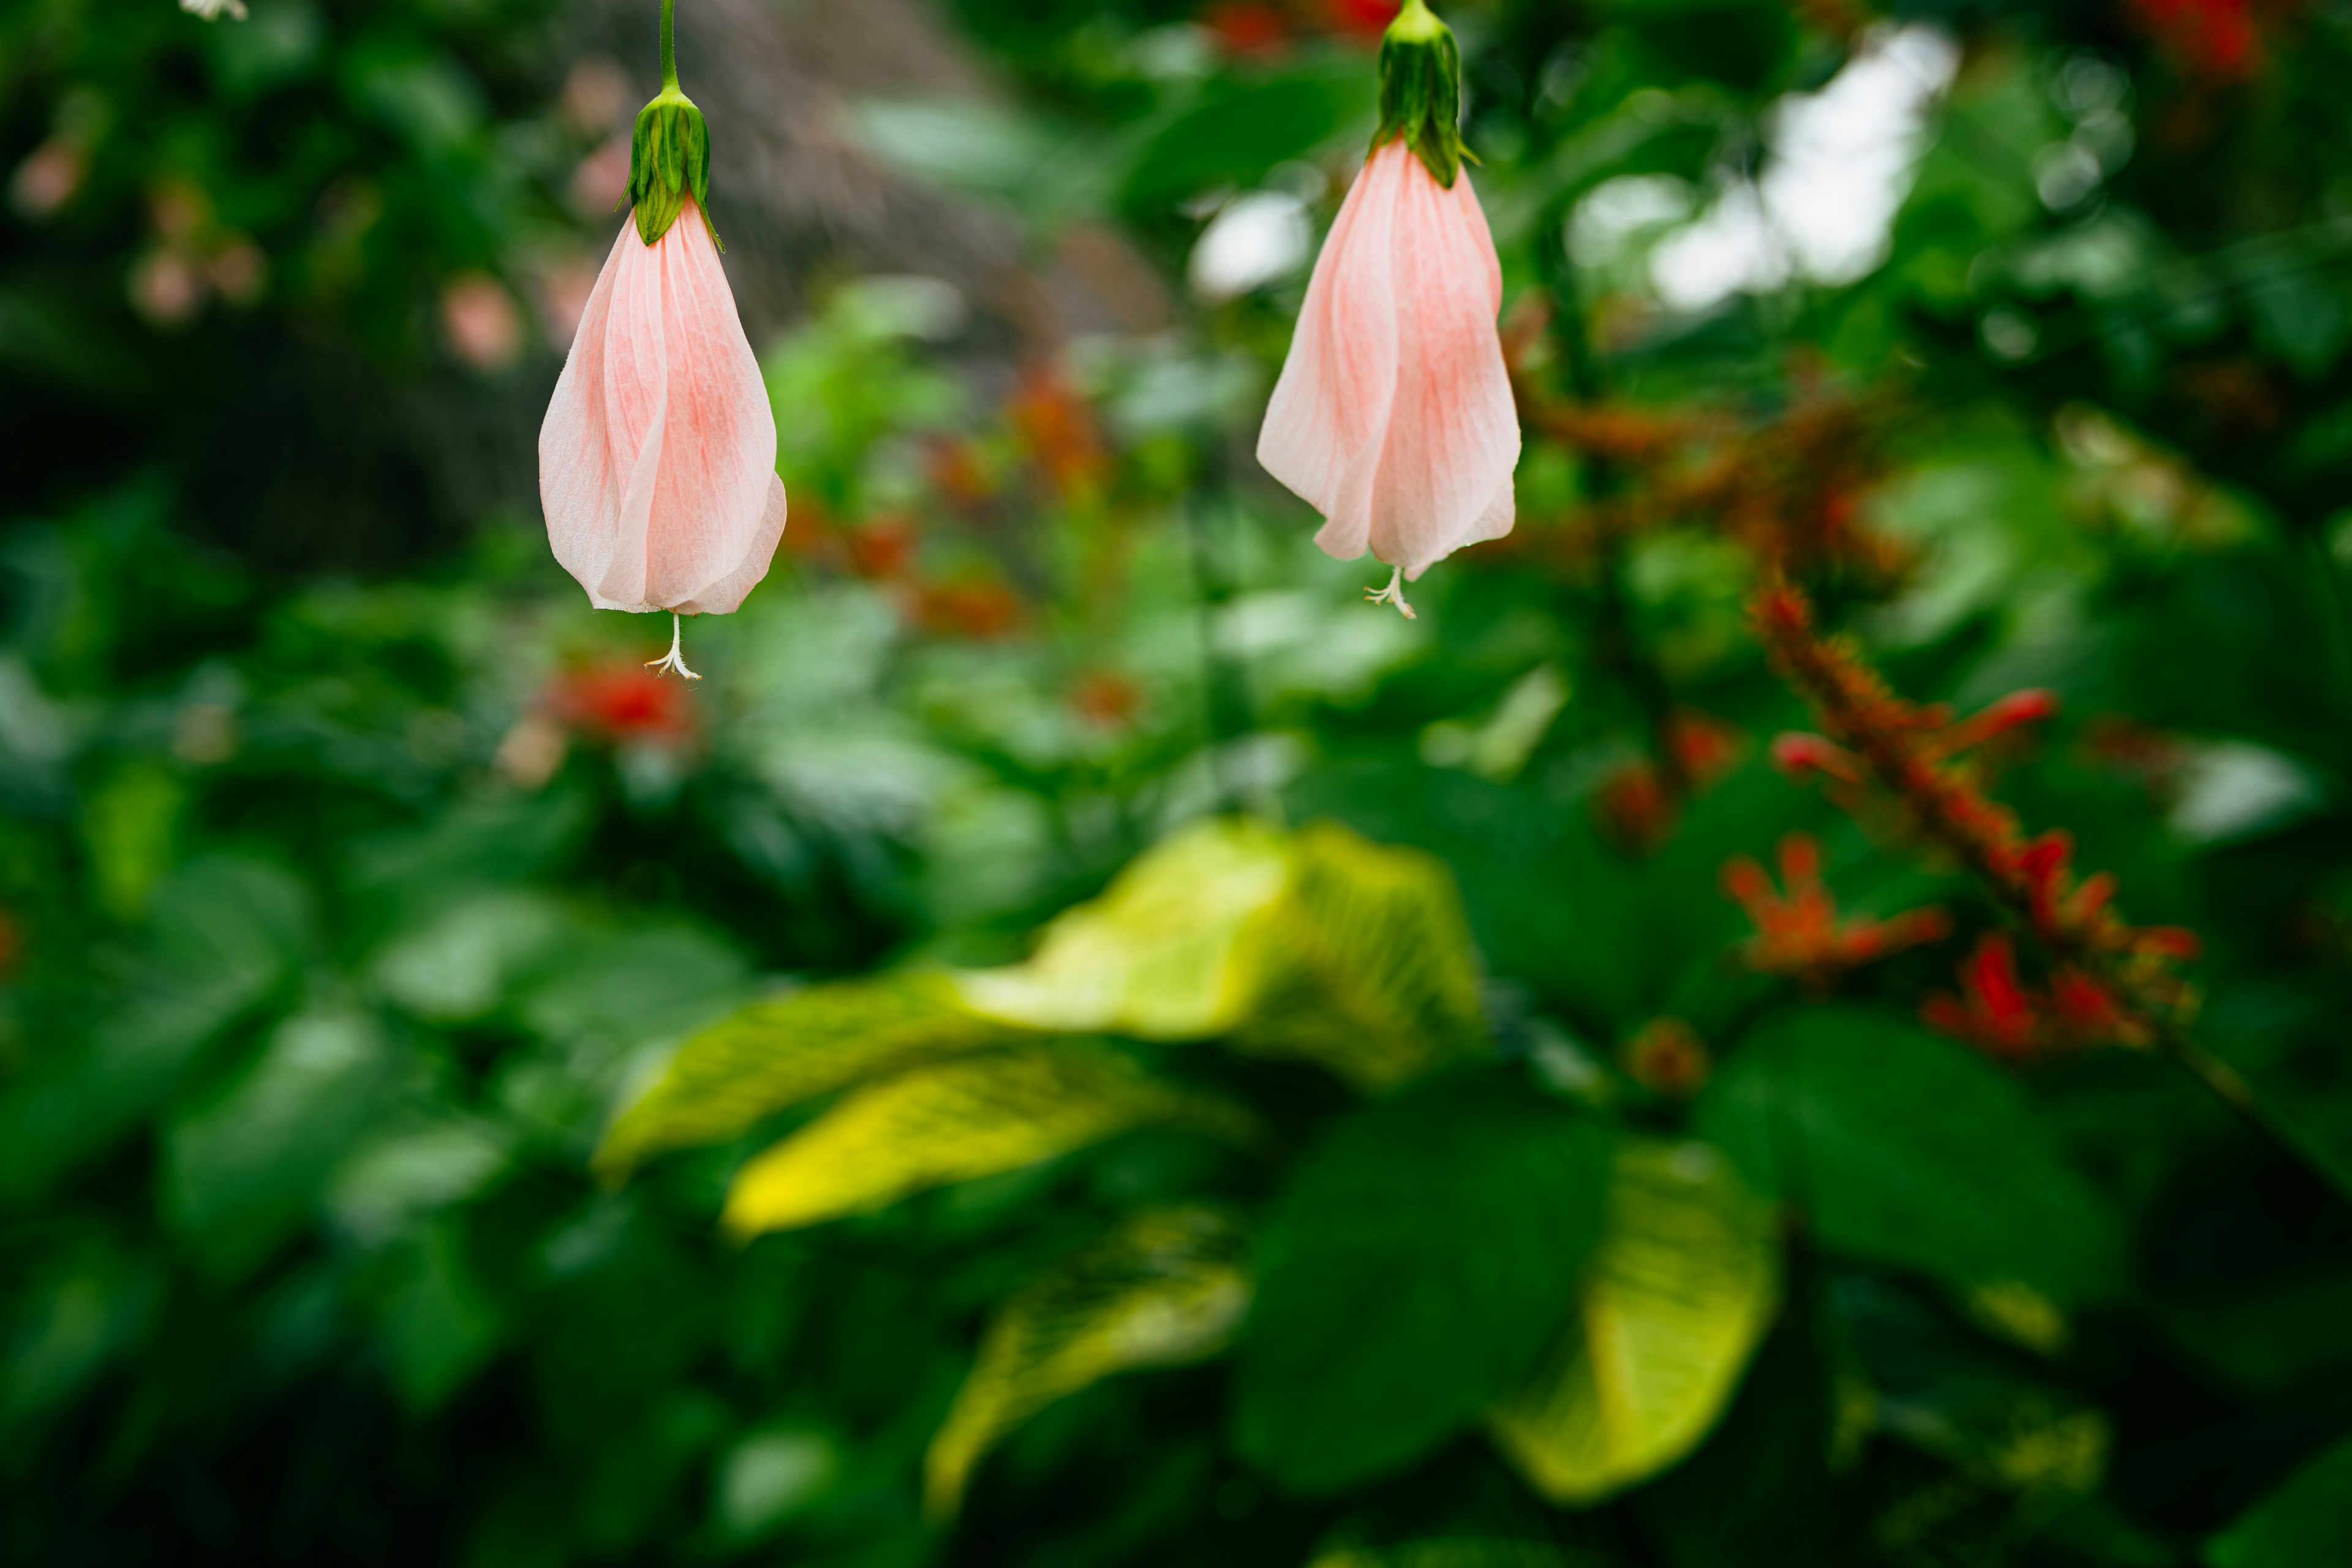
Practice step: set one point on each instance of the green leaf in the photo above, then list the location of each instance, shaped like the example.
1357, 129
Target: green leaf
1681, 1288
1413, 1271
1240, 131
2306, 1522
953, 1121
1319, 945
1165, 1288
437, 1323
776, 1054
1905, 1148
227, 934
1368, 967
1166, 953
241, 1171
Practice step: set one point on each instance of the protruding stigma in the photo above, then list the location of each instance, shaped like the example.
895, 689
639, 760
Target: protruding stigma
1392, 594
675, 658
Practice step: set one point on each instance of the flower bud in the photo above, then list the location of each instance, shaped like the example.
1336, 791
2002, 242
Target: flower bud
1420, 91
669, 151
669, 159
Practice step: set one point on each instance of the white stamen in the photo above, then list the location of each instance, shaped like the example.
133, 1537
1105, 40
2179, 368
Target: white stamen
676, 659
1392, 594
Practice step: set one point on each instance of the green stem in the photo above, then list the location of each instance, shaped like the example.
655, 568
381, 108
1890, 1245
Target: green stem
669, 47
1617, 641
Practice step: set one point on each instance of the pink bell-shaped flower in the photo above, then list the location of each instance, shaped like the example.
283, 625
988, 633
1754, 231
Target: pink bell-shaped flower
658, 461
1394, 416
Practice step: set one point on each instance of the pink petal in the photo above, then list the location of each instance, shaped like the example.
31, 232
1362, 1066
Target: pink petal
722, 596
1330, 408
658, 454
1393, 416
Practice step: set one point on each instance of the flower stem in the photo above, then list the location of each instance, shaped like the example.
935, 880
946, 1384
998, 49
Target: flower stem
670, 47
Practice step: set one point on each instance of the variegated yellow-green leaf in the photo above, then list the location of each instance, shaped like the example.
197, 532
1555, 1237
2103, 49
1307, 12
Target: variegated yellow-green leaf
952, 1121
1318, 945
807, 1043
1683, 1284
1165, 952
1367, 965
1165, 1288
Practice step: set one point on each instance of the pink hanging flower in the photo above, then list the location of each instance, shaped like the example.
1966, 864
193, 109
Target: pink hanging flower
1394, 416
657, 461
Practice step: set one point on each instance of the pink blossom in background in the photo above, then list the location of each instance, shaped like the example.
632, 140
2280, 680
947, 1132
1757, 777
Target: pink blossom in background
479, 319
167, 289
240, 272
601, 182
565, 287
596, 95
657, 461
47, 178
1394, 416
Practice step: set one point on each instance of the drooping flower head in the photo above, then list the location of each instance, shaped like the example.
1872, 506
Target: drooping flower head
657, 461
1393, 416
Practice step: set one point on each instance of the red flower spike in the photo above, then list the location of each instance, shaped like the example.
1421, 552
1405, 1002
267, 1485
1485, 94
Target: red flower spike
2010, 712
1797, 930
1800, 755
2114, 977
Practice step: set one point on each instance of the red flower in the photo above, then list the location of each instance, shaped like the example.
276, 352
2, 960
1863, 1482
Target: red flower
967, 606
2217, 39
621, 703
1106, 698
1797, 930
1668, 1057
1637, 805
1365, 19
884, 548
1246, 27
1057, 431
2108, 972
1999, 1013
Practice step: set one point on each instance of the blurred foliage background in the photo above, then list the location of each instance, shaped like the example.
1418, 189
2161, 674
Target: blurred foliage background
1079, 1042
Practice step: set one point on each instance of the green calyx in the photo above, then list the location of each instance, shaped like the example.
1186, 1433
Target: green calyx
669, 159
1421, 91
669, 151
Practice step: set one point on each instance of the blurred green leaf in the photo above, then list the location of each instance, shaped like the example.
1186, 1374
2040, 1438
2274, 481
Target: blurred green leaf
439, 1324
1902, 1147
1366, 966
244, 1168
1675, 1300
807, 1043
1240, 130
1414, 1266
953, 1121
225, 934
2307, 1521
1165, 1287
1168, 952
1317, 945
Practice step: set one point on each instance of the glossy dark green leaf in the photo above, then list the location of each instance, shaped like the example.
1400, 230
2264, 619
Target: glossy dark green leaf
1903, 1147
1416, 1266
